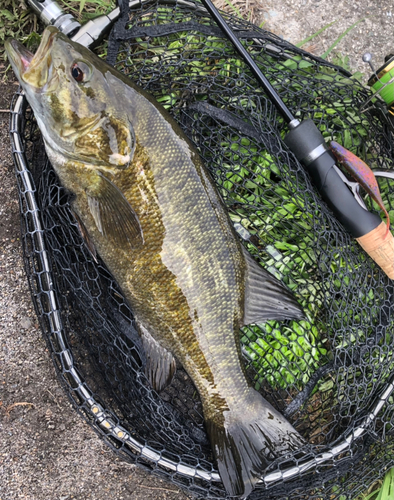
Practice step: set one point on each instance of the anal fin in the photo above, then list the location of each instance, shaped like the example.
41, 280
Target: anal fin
266, 297
160, 364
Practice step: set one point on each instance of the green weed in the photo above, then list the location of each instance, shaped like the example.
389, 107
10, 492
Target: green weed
16, 21
381, 490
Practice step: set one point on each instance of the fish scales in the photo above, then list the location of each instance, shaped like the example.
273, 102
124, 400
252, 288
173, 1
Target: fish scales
149, 208
184, 209
187, 283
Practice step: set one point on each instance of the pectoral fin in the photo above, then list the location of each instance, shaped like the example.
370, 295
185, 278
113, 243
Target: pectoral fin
266, 297
113, 215
160, 363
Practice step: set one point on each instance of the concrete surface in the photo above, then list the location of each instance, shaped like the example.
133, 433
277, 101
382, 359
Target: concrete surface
46, 451
295, 20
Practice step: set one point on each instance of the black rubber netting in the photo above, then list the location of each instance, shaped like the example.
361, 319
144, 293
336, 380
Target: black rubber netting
325, 374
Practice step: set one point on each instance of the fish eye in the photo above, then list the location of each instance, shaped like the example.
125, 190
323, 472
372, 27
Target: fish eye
80, 72
77, 73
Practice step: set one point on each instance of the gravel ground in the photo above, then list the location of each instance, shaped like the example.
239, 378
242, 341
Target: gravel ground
47, 451
296, 20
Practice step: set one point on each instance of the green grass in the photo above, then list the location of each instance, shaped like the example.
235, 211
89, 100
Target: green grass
18, 21
83, 10
381, 490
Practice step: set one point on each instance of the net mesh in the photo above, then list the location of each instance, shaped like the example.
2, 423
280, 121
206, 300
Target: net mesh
327, 373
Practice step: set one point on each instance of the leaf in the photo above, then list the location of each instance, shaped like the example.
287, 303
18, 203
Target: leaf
311, 37
330, 49
82, 6
237, 11
7, 14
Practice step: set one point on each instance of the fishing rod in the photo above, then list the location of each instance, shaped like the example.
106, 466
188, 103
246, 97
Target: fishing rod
309, 147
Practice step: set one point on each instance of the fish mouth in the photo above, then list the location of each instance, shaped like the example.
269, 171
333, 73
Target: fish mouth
73, 133
19, 54
29, 67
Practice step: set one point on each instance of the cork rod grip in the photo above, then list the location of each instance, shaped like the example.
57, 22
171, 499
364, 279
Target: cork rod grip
380, 249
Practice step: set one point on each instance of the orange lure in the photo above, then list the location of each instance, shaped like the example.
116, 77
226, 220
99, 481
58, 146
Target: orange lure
361, 173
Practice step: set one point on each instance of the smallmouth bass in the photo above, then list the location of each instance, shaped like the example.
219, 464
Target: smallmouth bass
153, 214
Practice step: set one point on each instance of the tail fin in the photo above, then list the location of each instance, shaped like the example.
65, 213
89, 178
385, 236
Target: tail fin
247, 439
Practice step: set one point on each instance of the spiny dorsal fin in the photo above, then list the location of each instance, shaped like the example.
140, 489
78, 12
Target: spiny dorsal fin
266, 297
160, 363
113, 215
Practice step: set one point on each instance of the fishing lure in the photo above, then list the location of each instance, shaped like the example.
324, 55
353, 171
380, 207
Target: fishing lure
361, 173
